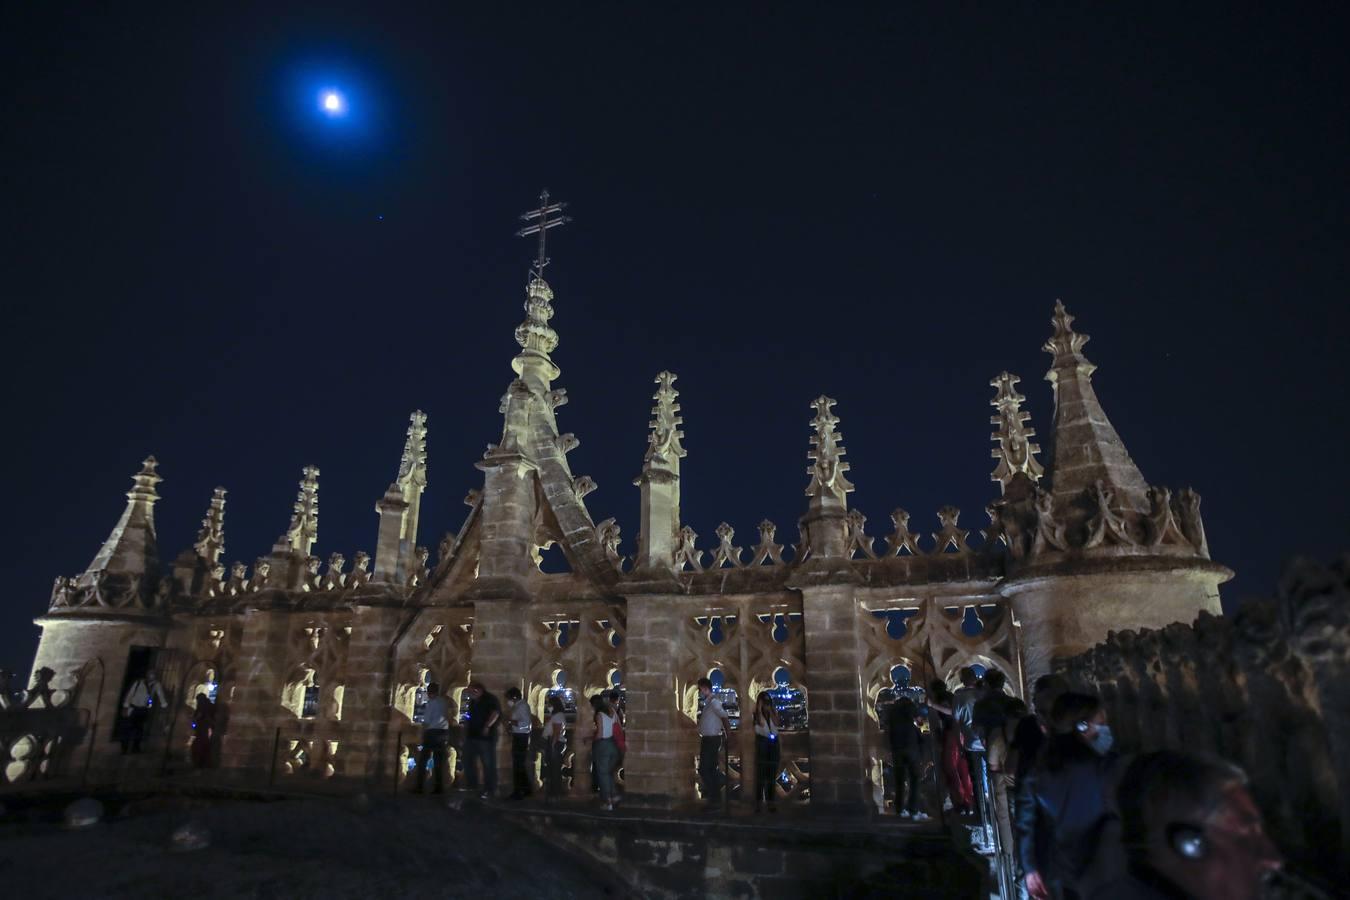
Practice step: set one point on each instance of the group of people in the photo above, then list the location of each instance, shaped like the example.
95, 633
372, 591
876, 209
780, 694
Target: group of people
605, 735
482, 723
1077, 819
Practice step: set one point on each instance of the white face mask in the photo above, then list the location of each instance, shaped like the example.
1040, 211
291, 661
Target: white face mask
1103, 740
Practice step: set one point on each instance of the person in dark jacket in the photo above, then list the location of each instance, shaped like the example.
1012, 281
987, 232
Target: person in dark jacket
1032, 731
480, 739
906, 758
1065, 803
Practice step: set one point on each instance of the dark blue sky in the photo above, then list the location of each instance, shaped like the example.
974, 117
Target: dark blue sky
877, 204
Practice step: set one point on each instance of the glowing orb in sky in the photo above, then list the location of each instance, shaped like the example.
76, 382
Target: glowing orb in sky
332, 103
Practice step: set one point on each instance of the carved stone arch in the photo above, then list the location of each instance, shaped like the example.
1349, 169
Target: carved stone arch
440, 644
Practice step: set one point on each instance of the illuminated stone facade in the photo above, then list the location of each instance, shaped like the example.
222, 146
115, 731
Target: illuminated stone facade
318, 668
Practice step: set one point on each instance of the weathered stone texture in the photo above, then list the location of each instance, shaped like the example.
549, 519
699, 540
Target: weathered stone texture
1265, 689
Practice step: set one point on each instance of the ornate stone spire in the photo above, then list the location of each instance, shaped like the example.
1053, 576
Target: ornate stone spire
660, 479
132, 549
825, 528
536, 339
304, 528
664, 450
400, 507
211, 538
828, 485
1015, 451
1087, 448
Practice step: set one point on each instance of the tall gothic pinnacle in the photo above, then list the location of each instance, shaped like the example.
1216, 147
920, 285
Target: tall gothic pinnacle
132, 547
664, 449
1087, 449
304, 528
827, 449
1015, 451
211, 538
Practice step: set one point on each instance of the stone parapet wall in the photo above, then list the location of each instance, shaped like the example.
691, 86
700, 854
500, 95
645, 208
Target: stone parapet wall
1267, 688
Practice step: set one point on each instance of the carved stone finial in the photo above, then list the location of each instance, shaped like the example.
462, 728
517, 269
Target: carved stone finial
238, 580
211, 538
664, 441
827, 451
412, 467
536, 339
607, 533
1051, 534
359, 576
472, 497
534, 334
333, 579
1187, 505
261, 569
1066, 345
686, 553
145, 481
902, 539
1015, 451
419, 573
726, 554
856, 536
304, 528
767, 549
1162, 523
568, 442
312, 580
950, 536
1107, 525
584, 485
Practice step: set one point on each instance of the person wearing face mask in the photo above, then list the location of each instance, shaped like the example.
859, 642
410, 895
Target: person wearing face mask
1190, 830
1065, 809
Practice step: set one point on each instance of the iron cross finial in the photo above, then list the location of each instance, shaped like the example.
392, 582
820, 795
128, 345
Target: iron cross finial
541, 220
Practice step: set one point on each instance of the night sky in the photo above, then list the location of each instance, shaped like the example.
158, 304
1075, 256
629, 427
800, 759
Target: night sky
774, 203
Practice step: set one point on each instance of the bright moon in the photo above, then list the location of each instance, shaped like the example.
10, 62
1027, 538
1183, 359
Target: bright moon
332, 102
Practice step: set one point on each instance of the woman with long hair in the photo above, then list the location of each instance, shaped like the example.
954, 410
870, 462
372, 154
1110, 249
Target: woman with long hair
767, 752
955, 769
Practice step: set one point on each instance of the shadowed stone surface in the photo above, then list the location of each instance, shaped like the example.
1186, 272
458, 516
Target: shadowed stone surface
290, 849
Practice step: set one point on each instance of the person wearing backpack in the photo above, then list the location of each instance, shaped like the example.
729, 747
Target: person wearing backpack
139, 699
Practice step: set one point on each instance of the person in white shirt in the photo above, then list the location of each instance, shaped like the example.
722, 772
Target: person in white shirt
555, 745
767, 753
522, 723
435, 738
143, 694
713, 726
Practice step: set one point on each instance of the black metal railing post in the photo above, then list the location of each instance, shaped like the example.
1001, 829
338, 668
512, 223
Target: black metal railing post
276, 747
398, 747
